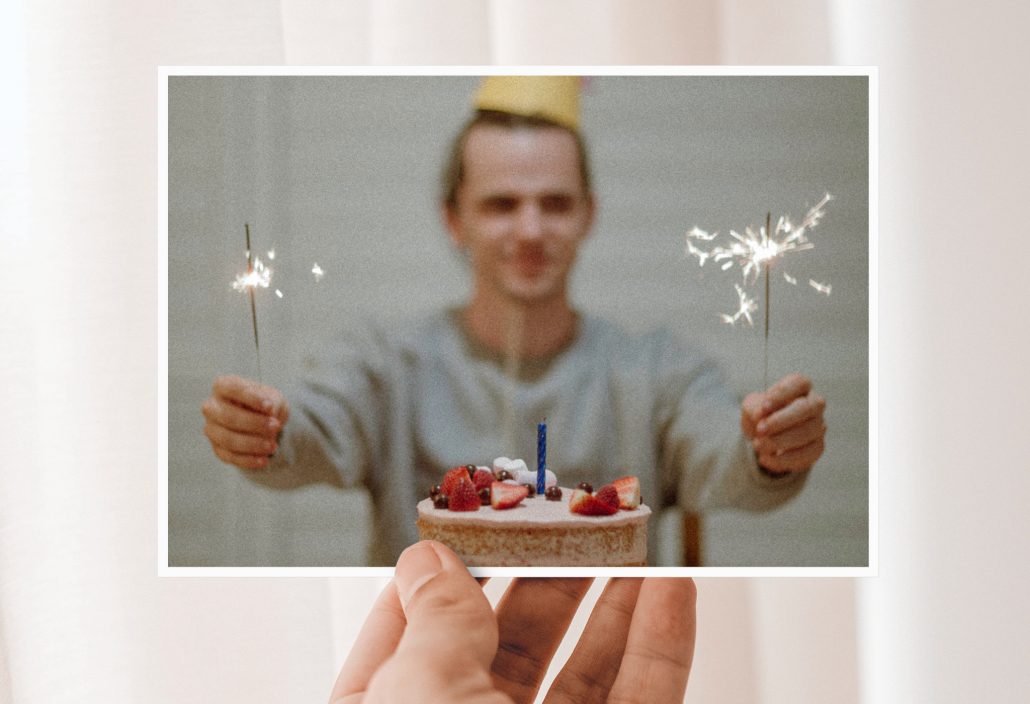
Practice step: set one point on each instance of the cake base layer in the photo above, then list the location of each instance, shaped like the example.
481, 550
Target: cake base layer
539, 533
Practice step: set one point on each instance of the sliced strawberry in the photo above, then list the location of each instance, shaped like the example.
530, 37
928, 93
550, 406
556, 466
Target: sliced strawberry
464, 497
483, 478
585, 503
607, 494
504, 495
629, 491
451, 479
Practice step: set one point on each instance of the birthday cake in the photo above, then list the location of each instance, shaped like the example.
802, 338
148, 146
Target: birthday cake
493, 517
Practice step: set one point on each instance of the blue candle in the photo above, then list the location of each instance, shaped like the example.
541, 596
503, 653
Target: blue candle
541, 456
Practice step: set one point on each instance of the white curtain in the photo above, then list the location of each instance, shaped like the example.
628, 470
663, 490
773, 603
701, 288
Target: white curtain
83, 616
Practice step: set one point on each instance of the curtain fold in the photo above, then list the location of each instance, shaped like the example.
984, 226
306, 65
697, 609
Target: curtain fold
410, 32
609, 32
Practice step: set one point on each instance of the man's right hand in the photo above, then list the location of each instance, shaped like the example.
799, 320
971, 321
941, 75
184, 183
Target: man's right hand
243, 421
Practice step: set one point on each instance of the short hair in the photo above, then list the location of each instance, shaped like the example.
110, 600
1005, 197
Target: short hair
454, 169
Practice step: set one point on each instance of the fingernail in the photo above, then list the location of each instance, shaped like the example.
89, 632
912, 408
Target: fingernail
273, 424
761, 427
416, 566
766, 406
267, 406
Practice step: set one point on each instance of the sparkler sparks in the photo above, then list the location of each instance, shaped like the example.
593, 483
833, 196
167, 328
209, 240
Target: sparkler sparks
257, 275
821, 288
747, 307
755, 250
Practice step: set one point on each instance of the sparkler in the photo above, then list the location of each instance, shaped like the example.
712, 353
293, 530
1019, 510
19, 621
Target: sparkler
260, 275
755, 252
257, 275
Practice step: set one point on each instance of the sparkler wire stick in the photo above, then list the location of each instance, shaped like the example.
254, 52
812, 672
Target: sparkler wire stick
253, 306
768, 233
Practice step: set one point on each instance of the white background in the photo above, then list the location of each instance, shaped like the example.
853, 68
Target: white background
83, 616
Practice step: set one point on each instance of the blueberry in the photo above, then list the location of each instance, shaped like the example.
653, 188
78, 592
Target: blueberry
435, 491
553, 493
532, 489
586, 486
441, 501
484, 496
504, 474
471, 469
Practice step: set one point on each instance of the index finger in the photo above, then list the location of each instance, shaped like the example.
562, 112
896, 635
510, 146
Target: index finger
532, 618
784, 391
244, 392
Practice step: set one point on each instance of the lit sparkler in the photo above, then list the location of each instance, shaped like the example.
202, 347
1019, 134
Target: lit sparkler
257, 275
754, 252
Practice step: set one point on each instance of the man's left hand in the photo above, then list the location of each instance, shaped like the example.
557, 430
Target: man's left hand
785, 424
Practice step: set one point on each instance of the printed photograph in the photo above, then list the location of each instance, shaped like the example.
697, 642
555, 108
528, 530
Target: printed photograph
548, 321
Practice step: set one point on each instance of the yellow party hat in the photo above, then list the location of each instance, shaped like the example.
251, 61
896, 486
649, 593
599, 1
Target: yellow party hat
554, 98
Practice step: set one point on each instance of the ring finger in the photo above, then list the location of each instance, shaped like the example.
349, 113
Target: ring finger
792, 438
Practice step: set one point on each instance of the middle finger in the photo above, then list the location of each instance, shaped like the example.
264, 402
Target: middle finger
797, 411
532, 618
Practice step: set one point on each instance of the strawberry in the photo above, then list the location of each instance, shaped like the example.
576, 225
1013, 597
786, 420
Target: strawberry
629, 491
608, 494
451, 479
504, 495
585, 503
483, 478
464, 496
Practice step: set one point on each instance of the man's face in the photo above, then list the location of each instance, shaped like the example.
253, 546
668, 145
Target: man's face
521, 211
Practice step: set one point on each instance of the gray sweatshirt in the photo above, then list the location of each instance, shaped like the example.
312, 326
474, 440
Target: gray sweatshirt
393, 409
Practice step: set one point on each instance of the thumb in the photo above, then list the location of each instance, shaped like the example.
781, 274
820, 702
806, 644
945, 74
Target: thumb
443, 603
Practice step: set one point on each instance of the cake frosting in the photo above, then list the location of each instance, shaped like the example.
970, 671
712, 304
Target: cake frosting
538, 532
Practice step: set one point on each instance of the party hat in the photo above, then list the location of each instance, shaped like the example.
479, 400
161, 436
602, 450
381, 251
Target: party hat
554, 98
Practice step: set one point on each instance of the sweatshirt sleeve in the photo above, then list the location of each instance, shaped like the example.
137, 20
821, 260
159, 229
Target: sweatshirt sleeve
703, 454
335, 418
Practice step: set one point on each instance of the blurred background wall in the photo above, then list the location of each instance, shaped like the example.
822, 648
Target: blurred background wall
344, 171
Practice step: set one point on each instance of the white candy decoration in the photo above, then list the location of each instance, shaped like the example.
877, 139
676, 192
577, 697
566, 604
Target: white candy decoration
526, 476
521, 474
516, 467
